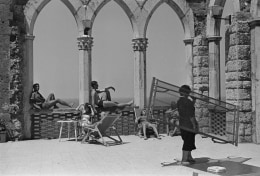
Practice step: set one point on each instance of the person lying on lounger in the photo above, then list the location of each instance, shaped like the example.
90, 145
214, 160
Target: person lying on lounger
39, 102
102, 99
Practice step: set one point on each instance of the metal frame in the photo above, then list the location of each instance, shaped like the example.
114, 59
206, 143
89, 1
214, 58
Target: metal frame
226, 107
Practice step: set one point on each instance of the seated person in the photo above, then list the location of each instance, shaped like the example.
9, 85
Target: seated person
144, 124
173, 116
39, 102
86, 113
102, 99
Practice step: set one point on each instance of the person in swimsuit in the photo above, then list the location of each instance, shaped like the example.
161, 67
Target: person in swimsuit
39, 102
102, 98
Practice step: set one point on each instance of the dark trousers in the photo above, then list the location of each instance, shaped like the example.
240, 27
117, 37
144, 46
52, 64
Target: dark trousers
188, 140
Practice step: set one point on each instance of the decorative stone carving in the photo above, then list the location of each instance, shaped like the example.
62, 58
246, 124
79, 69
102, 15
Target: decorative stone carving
140, 3
29, 37
85, 42
140, 44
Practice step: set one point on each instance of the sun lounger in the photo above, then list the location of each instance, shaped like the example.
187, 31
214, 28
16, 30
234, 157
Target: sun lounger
97, 131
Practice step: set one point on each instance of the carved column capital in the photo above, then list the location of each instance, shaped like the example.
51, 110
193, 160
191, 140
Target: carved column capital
140, 44
29, 37
188, 41
214, 38
85, 42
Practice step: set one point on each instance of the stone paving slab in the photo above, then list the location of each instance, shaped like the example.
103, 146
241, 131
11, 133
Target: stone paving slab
136, 157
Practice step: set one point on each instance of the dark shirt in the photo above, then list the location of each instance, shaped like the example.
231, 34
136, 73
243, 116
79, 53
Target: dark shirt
186, 111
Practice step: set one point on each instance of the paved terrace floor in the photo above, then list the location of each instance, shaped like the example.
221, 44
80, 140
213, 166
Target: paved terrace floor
133, 158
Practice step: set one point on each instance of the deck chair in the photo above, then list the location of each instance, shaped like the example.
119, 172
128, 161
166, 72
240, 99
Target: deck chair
97, 131
138, 129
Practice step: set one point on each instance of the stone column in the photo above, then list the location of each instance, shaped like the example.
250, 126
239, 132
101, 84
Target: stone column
85, 44
28, 83
139, 46
238, 79
214, 66
255, 66
189, 60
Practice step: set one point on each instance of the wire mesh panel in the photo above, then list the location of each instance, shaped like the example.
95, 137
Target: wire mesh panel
211, 113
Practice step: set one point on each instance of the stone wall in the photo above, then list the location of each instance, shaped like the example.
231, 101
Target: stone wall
201, 79
5, 16
11, 58
238, 75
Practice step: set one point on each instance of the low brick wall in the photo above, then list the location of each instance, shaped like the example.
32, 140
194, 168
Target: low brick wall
45, 125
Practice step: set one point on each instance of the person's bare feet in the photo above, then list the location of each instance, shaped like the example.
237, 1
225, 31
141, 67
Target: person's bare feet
71, 105
130, 103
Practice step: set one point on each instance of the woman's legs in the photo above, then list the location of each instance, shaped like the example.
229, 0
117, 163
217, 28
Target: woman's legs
155, 130
144, 131
108, 104
51, 103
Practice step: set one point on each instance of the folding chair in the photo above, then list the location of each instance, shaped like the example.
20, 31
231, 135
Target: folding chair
98, 130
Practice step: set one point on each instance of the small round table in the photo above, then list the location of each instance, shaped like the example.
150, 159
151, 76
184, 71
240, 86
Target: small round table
68, 122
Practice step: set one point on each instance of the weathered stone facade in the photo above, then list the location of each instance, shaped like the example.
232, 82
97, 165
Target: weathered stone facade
238, 75
201, 37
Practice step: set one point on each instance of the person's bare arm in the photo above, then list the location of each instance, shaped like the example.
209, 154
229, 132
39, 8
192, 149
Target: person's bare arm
107, 88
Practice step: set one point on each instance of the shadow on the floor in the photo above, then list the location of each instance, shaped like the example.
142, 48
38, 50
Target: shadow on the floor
234, 166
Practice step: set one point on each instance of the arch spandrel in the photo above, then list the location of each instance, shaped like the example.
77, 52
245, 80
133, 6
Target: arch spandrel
95, 7
183, 11
31, 12
33, 8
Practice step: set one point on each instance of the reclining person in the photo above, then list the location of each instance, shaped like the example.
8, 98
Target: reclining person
39, 102
102, 99
143, 124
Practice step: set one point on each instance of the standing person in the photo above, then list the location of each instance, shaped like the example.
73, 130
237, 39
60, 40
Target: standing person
102, 98
39, 102
187, 119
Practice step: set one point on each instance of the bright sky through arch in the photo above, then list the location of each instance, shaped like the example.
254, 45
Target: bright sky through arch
56, 51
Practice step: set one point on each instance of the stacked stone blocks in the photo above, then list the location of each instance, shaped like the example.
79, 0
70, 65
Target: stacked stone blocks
5, 16
201, 79
238, 78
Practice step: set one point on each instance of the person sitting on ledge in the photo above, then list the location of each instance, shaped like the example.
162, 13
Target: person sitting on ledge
39, 102
102, 99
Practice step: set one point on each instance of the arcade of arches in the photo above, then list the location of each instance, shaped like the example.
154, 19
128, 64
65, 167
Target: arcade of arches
201, 26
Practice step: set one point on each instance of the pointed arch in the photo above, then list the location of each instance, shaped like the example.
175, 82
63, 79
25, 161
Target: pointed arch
33, 8
124, 7
184, 13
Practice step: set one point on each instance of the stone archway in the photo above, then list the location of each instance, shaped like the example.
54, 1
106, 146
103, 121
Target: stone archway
84, 12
